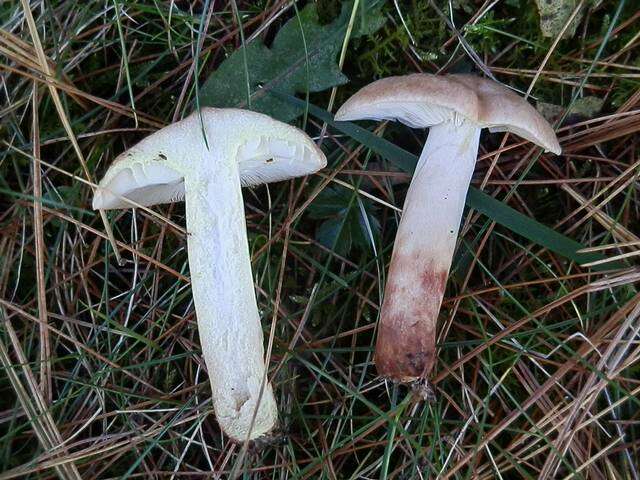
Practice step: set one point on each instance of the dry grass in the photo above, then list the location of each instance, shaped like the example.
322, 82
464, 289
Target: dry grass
102, 377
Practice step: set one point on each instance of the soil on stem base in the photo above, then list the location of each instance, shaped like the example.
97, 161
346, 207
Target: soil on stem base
405, 349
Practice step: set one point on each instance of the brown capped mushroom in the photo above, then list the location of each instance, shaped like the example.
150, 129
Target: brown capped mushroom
456, 108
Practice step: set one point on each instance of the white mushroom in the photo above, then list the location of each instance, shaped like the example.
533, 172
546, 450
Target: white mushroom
456, 108
241, 147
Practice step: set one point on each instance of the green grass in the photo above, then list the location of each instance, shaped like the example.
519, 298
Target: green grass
537, 373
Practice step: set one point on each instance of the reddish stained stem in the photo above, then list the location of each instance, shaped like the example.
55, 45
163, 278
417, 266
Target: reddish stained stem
405, 350
424, 246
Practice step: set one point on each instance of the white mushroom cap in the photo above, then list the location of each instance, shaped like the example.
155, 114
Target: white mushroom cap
152, 171
422, 100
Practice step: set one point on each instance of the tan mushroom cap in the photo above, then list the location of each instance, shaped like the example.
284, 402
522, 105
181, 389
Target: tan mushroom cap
422, 100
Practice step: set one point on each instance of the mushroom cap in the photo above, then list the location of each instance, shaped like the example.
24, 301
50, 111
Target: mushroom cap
421, 100
153, 170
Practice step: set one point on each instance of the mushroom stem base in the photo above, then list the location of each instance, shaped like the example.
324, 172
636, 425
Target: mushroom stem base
422, 253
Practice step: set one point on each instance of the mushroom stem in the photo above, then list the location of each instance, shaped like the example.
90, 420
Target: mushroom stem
424, 246
223, 291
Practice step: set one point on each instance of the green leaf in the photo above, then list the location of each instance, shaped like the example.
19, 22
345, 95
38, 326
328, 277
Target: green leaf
288, 66
344, 226
497, 211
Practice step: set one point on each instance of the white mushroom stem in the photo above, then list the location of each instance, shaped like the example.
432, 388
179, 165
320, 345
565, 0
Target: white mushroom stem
223, 291
423, 250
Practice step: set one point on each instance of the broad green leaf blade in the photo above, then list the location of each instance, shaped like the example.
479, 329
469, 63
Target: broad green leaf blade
497, 211
344, 226
287, 66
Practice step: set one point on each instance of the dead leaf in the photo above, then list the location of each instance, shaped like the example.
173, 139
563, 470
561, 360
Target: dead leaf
554, 14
